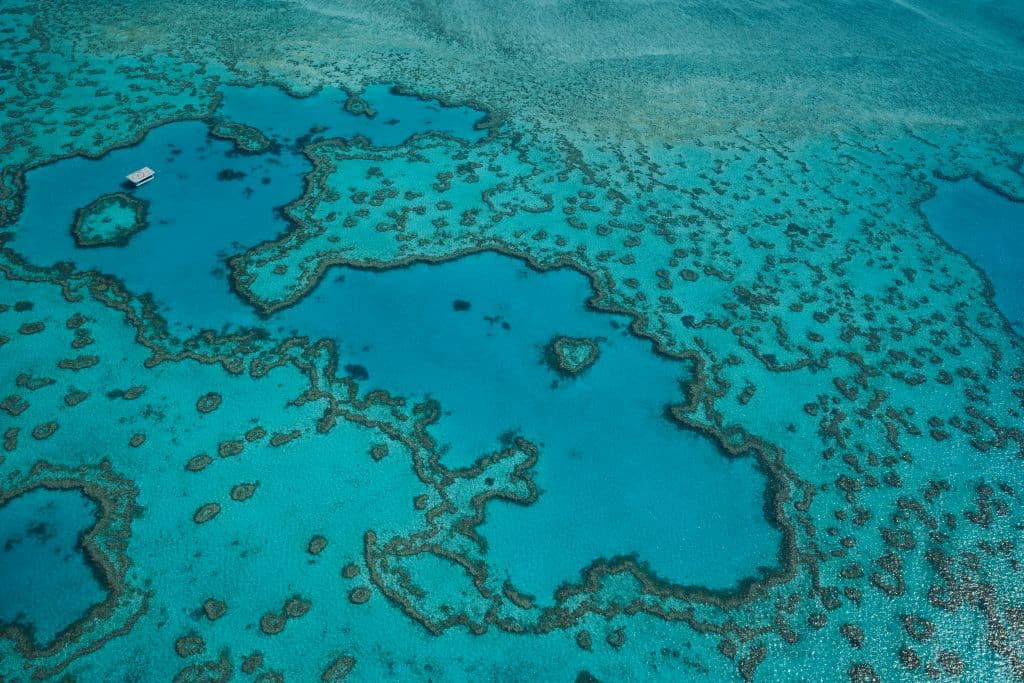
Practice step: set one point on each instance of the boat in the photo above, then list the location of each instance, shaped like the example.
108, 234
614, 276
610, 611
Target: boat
141, 176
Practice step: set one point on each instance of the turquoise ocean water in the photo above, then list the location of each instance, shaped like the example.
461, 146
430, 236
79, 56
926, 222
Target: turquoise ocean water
298, 409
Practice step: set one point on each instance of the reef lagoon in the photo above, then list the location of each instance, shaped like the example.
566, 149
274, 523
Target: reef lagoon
542, 341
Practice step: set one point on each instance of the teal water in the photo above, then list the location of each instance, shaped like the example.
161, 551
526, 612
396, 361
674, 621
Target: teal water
751, 186
198, 214
989, 230
641, 484
615, 475
395, 117
46, 583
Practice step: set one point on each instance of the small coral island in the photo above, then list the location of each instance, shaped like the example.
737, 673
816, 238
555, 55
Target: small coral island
571, 356
248, 140
109, 221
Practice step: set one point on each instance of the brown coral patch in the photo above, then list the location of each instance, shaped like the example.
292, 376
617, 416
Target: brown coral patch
296, 606
190, 645
316, 545
252, 662
281, 439
339, 669
617, 638
273, 623
206, 512
132, 393
214, 609
74, 397
208, 402
78, 362
45, 430
360, 595
243, 491
227, 449
31, 328
198, 463
255, 434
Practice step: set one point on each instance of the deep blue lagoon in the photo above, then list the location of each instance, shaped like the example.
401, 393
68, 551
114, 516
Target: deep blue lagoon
989, 230
46, 583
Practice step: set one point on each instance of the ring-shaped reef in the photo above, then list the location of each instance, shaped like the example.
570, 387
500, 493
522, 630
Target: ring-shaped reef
46, 582
571, 356
104, 547
110, 220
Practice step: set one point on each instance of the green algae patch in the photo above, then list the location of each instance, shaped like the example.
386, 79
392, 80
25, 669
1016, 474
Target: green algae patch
110, 221
247, 140
571, 356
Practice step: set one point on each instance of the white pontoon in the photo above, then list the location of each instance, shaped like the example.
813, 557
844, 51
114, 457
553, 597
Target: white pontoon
141, 177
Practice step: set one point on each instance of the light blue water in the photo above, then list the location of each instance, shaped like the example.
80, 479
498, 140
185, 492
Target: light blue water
989, 229
45, 581
616, 476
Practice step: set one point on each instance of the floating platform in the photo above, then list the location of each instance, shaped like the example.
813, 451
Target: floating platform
141, 176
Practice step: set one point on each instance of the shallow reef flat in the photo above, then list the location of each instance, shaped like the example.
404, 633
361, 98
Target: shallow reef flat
109, 221
548, 341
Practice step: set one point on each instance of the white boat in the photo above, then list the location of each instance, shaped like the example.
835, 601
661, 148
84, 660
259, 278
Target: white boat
141, 177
